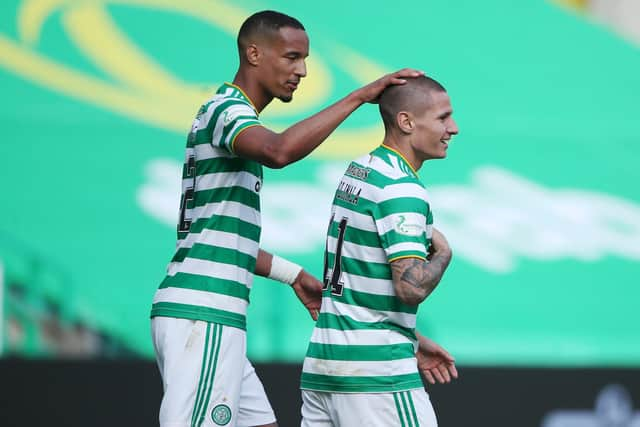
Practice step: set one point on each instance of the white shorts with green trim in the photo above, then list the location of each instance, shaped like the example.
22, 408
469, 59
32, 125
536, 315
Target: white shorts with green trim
411, 408
206, 376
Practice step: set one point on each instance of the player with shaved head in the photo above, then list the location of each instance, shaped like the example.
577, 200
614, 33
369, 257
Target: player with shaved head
199, 311
383, 258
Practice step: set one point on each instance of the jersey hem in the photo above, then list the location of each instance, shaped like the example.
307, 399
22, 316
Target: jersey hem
194, 315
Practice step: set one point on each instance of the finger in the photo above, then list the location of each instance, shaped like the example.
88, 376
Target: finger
453, 371
445, 373
314, 313
408, 72
397, 81
429, 377
438, 376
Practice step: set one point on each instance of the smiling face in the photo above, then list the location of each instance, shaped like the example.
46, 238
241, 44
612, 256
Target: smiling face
282, 62
433, 128
418, 119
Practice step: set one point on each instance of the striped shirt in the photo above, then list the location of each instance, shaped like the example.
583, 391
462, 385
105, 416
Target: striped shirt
211, 273
364, 340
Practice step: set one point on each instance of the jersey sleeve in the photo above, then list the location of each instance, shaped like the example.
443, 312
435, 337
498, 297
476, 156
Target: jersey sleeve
233, 117
403, 220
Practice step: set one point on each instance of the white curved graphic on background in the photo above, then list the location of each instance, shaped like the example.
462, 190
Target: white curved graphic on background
497, 219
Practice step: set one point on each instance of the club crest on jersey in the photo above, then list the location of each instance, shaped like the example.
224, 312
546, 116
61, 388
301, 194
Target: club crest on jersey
402, 227
221, 415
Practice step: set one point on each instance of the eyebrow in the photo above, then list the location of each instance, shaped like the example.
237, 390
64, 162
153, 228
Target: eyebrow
445, 114
295, 53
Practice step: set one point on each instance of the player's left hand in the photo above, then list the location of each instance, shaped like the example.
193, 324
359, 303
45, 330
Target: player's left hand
308, 289
434, 362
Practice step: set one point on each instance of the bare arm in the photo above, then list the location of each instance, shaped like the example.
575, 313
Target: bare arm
414, 279
307, 288
277, 150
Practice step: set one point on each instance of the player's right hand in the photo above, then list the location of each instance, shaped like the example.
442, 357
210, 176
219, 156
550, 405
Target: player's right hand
372, 91
308, 289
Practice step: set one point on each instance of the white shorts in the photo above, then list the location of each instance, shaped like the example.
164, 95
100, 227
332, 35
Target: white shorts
206, 376
411, 408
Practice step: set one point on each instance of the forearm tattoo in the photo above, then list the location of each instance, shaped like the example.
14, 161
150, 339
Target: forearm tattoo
422, 275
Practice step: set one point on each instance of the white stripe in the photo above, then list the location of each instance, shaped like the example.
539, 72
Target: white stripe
210, 181
208, 151
359, 252
219, 125
368, 285
227, 208
232, 132
356, 219
361, 314
407, 246
213, 269
404, 189
221, 239
358, 337
201, 298
351, 368
390, 222
387, 170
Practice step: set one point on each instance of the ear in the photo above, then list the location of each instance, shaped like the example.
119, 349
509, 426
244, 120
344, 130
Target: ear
252, 54
405, 122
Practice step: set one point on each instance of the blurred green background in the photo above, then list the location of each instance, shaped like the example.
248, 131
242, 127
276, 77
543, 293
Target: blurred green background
539, 194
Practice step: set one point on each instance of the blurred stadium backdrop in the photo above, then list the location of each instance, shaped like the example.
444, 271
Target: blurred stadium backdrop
539, 196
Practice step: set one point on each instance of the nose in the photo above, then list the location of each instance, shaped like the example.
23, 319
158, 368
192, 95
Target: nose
452, 128
301, 68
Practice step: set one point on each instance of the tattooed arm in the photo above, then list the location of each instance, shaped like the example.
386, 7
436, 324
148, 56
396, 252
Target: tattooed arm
414, 279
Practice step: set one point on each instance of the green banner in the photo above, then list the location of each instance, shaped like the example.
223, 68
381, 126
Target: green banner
538, 196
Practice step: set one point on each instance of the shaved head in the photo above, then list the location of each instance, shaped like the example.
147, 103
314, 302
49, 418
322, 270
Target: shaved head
415, 96
263, 25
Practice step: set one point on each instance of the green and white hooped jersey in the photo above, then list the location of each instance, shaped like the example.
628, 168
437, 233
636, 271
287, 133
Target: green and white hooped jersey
211, 272
364, 340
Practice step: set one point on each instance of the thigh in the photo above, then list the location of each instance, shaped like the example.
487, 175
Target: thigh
411, 408
315, 409
254, 408
202, 366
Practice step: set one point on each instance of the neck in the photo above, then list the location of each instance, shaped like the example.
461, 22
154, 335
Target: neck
403, 147
251, 87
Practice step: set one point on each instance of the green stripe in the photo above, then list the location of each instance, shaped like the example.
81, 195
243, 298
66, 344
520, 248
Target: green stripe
358, 267
401, 205
345, 323
208, 284
370, 384
360, 352
196, 312
407, 254
194, 415
216, 254
356, 235
372, 301
207, 380
228, 194
218, 336
406, 410
227, 164
413, 409
398, 409
227, 224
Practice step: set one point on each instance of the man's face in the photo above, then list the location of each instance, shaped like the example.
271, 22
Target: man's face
283, 64
434, 128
